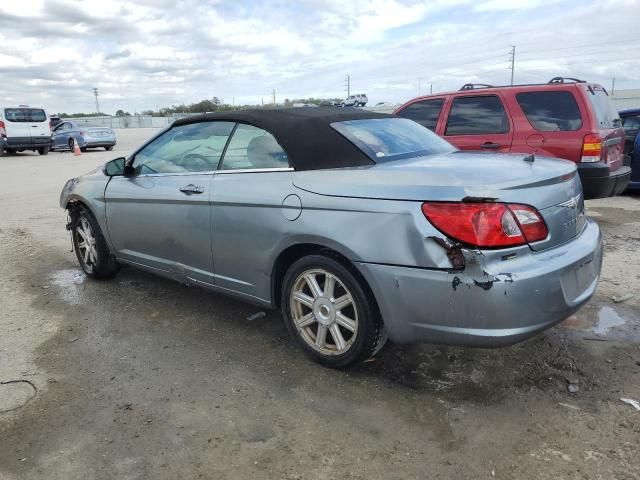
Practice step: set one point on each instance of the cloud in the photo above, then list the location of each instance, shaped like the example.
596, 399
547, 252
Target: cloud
163, 52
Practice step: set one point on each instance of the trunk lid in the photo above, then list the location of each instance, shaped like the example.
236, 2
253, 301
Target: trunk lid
98, 131
548, 184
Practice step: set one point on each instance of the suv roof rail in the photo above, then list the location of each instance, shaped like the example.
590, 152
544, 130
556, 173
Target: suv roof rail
473, 86
566, 80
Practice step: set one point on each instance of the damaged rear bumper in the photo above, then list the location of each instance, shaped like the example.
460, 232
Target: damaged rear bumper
495, 300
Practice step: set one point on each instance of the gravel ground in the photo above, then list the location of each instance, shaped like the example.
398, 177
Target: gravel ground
138, 377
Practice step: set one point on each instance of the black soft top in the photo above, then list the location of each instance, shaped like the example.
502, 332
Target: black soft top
305, 133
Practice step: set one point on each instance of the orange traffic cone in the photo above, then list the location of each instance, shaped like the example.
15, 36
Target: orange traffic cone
76, 148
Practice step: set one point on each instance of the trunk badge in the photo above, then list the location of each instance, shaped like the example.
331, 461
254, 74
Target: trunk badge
573, 202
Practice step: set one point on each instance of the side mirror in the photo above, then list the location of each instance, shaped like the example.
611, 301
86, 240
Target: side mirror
115, 168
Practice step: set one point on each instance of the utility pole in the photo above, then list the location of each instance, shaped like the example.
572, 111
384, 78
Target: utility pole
274, 96
95, 92
431, 89
348, 85
613, 85
513, 62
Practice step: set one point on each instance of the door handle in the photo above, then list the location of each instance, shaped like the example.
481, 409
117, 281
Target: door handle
491, 145
191, 189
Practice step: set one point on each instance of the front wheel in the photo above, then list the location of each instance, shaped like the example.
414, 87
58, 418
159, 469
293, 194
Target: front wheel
90, 246
109, 148
330, 312
43, 150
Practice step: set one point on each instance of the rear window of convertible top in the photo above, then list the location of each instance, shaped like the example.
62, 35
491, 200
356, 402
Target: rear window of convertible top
387, 139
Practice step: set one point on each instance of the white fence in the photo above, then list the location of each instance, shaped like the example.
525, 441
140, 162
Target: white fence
148, 121
132, 121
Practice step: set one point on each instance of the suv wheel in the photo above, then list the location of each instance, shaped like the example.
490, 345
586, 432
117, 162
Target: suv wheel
43, 150
329, 312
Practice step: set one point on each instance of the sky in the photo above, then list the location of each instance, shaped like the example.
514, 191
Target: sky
153, 53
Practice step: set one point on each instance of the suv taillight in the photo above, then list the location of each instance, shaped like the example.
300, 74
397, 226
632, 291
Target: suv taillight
591, 148
3, 131
487, 225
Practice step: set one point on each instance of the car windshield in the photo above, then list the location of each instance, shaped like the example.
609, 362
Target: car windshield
386, 139
606, 114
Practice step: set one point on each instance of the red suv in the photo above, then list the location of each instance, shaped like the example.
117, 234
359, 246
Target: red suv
565, 118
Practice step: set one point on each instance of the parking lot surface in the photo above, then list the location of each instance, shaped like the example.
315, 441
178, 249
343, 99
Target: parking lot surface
138, 377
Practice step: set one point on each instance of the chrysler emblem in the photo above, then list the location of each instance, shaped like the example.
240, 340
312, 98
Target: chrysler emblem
573, 202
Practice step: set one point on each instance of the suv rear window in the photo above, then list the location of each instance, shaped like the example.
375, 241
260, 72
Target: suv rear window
477, 115
425, 113
551, 111
22, 115
606, 115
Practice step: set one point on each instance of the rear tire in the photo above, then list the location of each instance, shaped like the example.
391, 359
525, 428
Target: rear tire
330, 312
43, 150
70, 143
109, 148
90, 246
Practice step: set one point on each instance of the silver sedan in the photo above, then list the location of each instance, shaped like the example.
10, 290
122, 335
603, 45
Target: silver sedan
86, 136
357, 226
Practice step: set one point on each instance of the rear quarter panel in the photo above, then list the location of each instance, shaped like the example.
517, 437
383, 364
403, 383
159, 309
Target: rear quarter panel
560, 144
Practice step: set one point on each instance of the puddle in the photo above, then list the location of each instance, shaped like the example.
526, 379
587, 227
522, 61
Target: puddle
606, 322
70, 284
607, 319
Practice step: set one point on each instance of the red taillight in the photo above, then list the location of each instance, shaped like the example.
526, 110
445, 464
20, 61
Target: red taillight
487, 225
591, 148
3, 131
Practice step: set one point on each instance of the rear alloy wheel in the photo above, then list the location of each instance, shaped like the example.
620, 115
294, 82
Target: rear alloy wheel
90, 246
71, 144
43, 150
329, 313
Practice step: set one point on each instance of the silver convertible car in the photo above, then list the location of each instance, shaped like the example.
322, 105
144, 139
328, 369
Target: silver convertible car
358, 226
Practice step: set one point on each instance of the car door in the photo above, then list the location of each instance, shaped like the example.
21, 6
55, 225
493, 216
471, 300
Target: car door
478, 122
631, 125
248, 217
17, 126
39, 128
61, 135
159, 217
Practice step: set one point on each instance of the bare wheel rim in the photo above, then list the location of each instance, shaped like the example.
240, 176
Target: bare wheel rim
324, 312
86, 242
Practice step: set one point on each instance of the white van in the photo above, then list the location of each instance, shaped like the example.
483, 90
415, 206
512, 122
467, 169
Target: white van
24, 128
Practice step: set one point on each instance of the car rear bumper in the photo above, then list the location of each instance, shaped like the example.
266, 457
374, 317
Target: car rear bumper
490, 308
599, 182
25, 143
100, 143
90, 142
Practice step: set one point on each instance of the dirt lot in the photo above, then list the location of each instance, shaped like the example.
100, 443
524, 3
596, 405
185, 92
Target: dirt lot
141, 378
